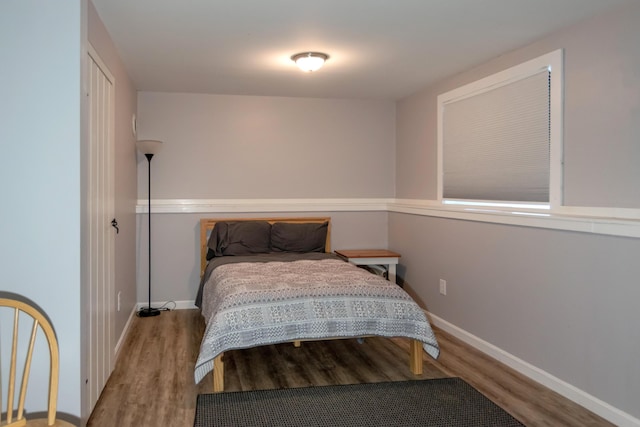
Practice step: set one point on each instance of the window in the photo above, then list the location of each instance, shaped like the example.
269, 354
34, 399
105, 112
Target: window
500, 138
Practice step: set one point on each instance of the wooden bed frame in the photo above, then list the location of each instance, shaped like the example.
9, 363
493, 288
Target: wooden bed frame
206, 226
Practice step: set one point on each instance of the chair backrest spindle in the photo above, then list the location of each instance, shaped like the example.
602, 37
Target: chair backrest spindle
15, 416
12, 366
27, 369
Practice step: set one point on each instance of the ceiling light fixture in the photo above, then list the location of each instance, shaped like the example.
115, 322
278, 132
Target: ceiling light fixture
309, 61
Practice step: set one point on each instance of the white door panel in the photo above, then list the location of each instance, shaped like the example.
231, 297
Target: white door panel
100, 212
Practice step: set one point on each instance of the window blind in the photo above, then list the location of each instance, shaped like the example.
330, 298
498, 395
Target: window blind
496, 143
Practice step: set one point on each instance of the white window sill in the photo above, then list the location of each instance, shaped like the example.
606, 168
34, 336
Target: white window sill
609, 221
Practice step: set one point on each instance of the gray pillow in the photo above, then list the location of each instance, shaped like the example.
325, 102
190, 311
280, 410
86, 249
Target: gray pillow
214, 244
239, 238
292, 237
247, 237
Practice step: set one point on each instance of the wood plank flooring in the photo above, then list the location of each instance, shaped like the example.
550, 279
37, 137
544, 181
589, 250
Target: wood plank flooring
153, 384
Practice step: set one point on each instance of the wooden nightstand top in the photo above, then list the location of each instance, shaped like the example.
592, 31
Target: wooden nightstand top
367, 253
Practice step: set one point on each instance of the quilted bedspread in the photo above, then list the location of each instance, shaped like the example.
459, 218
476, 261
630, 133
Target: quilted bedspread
252, 304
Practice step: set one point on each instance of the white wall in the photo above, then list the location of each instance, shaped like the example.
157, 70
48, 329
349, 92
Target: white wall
562, 301
40, 82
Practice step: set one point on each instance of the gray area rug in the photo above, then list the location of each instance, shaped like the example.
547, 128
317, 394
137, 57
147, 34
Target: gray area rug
446, 402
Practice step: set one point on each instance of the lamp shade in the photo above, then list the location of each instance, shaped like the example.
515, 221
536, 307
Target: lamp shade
309, 61
149, 146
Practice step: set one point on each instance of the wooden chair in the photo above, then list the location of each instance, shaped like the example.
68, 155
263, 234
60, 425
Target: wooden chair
19, 345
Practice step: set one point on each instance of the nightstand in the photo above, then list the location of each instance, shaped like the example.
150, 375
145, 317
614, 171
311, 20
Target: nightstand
372, 257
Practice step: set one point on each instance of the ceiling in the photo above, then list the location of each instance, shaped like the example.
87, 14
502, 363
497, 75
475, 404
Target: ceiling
379, 49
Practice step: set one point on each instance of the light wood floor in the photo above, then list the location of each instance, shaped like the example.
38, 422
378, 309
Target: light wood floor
153, 384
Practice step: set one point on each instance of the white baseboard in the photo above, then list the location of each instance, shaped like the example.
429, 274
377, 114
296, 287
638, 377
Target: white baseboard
124, 333
595, 405
171, 305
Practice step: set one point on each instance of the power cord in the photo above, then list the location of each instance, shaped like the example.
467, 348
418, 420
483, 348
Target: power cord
164, 307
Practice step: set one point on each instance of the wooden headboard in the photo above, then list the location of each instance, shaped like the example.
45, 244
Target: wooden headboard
206, 225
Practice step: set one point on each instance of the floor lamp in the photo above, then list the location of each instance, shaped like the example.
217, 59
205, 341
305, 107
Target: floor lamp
149, 148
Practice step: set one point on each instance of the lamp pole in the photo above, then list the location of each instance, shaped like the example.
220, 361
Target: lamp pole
148, 148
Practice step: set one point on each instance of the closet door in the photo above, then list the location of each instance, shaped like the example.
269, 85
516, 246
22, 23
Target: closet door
100, 212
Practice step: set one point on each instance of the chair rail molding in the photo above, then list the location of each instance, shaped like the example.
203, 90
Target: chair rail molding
262, 205
595, 220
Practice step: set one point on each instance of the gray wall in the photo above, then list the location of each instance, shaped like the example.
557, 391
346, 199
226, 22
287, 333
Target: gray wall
235, 147
251, 147
176, 251
602, 106
40, 175
125, 165
565, 302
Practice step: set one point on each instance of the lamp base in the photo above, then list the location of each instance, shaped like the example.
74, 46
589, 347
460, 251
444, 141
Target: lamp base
148, 312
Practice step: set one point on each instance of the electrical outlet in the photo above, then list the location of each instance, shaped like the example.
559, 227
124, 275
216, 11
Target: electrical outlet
443, 287
119, 300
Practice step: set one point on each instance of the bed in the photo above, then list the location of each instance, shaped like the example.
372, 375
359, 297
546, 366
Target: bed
274, 280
